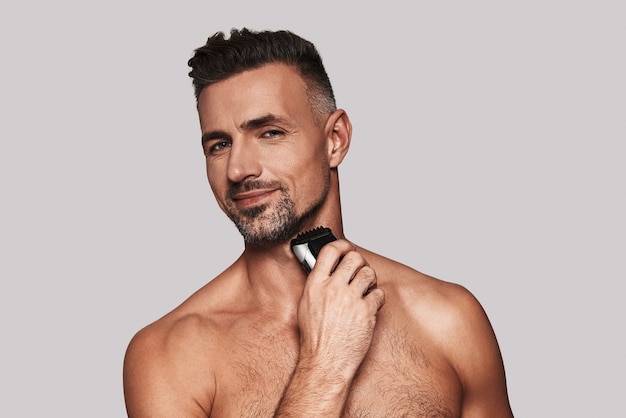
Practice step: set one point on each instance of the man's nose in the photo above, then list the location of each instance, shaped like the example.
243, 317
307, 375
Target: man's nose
243, 161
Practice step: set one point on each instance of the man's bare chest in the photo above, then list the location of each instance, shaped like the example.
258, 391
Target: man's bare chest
397, 378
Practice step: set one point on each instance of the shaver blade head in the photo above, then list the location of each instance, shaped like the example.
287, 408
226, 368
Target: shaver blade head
307, 245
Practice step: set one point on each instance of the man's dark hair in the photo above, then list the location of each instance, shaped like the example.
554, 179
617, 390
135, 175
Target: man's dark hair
221, 58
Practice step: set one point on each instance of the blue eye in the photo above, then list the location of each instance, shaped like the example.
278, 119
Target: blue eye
272, 133
219, 146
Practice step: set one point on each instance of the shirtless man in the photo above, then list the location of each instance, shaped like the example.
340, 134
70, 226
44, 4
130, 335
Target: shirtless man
361, 335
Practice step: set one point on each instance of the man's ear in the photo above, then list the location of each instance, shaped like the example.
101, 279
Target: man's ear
338, 134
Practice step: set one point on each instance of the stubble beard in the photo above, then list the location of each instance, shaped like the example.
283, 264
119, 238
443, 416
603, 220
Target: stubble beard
275, 223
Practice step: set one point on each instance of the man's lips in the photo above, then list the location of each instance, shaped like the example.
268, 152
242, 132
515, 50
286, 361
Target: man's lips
252, 197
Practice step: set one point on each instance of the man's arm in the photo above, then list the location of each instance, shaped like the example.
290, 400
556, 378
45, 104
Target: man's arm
336, 324
474, 352
163, 377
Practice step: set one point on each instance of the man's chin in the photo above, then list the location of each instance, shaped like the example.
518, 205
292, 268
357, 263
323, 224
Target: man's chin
261, 226
260, 236
263, 241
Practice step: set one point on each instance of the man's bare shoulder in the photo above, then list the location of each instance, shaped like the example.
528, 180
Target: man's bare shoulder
449, 317
175, 356
406, 285
200, 312
443, 311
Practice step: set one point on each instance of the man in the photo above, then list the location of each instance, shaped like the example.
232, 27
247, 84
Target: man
360, 335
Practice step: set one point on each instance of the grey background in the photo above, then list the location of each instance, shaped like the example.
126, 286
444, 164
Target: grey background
487, 151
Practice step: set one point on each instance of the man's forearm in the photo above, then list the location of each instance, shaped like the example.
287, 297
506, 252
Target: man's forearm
314, 391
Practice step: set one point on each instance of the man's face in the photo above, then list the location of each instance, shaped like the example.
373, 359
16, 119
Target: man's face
266, 155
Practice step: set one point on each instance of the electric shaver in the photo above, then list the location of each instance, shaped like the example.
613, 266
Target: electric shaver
307, 245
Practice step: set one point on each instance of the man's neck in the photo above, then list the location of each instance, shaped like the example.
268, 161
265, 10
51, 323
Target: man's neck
274, 274
275, 279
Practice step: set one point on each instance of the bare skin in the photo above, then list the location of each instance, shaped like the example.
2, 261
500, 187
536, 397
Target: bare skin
262, 339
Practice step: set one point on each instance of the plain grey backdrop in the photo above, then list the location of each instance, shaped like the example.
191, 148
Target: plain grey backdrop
488, 150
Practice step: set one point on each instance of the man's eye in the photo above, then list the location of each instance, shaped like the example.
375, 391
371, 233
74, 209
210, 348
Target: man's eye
218, 146
272, 133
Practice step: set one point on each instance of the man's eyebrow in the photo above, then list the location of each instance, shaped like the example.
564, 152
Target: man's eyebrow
261, 121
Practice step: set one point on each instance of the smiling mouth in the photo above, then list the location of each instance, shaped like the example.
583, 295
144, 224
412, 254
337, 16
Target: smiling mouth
252, 198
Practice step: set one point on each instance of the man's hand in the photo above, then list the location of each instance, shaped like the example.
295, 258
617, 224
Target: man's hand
336, 317
336, 314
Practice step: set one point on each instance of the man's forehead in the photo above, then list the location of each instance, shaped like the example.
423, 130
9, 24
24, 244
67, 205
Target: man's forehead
275, 89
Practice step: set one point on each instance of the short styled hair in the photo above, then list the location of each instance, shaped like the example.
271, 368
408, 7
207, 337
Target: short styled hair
221, 58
